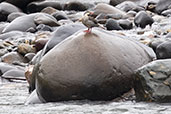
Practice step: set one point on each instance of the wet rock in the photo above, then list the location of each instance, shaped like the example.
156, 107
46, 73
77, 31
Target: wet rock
75, 5
166, 12
62, 33
25, 48
129, 6
142, 19
59, 15
12, 57
108, 9
45, 19
112, 24
162, 5
163, 51
38, 6
125, 24
14, 15
97, 67
6, 9
153, 81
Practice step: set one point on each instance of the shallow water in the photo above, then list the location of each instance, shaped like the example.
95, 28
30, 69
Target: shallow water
13, 96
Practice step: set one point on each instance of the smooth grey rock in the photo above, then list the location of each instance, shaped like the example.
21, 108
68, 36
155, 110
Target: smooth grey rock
162, 5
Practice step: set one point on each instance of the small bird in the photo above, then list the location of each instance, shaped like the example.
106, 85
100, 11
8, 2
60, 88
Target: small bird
89, 21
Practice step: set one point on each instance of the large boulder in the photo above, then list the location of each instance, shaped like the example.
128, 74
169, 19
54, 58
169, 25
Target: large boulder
153, 81
94, 66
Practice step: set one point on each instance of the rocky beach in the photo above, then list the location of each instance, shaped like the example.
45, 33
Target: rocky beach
85, 57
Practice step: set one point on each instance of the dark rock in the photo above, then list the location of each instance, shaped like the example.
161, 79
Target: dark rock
129, 6
38, 6
14, 15
163, 5
153, 81
59, 15
155, 43
166, 12
6, 9
163, 51
142, 19
125, 24
75, 5
20, 3
95, 66
112, 24
62, 33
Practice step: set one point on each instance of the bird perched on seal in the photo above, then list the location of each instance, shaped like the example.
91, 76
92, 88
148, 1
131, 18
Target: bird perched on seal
89, 21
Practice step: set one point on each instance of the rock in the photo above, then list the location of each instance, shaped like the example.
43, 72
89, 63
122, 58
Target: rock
6, 9
155, 43
38, 6
75, 5
40, 43
168, 35
166, 12
23, 23
131, 13
59, 15
12, 57
4, 67
14, 15
20, 3
33, 99
10, 35
45, 19
62, 33
162, 5
49, 10
163, 51
112, 24
95, 66
29, 56
14, 74
42, 27
142, 19
129, 6
153, 81
125, 24
108, 9
25, 48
